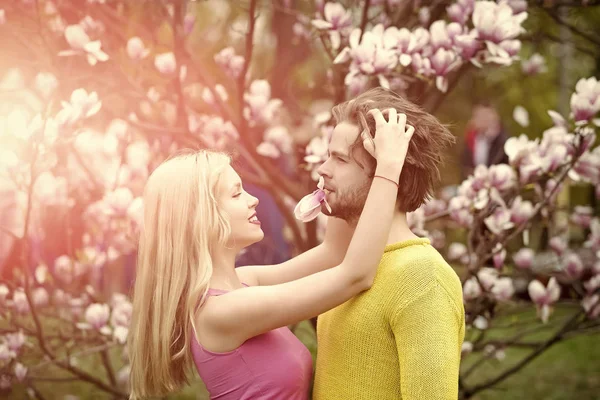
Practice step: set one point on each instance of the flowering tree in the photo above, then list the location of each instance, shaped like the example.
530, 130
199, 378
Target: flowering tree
106, 91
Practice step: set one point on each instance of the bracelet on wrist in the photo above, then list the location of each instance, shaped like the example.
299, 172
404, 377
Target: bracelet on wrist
387, 179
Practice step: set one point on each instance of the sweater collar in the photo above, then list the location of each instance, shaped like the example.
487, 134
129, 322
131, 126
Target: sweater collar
406, 243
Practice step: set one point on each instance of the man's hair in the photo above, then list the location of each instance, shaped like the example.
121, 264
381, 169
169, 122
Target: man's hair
430, 139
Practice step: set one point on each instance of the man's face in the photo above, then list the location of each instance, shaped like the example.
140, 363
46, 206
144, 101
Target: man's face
347, 180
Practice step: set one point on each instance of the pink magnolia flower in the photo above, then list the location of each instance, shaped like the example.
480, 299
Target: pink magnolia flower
573, 265
524, 258
217, 133
497, 22
422, 65
96, 315
15, 341
402, 41
544, 296
466, 348
461, 11
337, 21
6, 353
434, 206
40, 297
280, 137
456, 251
468, 46
424, 15
91, 25
499, 221
487, 277
46, 83
582, 216
136, 49
20, 303
503, 289
481, 323
497, 26
536, 64
585, 102
587, 168
471, 289
440, 36
502, 177
517, 5
521, 210
443, 62
521, 116
591, 305
260, 107
460, 210
121, 314
558, 245
188, 23
517, 148
120, 334
20, 371
309, 207
316, 150
268, 149
592, 284
165, 63
499, 256
593, 239
208, 97
81, 105
230, 62
368, 55
81, 44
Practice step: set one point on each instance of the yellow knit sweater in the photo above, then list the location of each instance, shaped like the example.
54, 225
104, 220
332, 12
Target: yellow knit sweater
401, 339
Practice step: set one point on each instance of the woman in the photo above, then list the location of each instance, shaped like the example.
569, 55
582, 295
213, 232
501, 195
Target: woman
192, 306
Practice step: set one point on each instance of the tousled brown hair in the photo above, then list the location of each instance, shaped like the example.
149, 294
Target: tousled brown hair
425, 152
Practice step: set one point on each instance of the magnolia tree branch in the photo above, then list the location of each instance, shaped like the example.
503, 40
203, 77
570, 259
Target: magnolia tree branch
559, 20
364, 18
470, 392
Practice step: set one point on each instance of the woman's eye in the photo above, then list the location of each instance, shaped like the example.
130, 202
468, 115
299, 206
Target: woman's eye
341, 160
237, 195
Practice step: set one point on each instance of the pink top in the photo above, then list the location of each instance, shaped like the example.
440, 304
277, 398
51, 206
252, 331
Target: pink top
271, 366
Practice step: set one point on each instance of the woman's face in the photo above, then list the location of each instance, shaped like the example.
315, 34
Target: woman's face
240, 206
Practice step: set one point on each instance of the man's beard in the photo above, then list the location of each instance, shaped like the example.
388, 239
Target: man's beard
349, 204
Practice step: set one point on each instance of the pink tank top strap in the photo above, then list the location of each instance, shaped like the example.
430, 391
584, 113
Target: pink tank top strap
218, 292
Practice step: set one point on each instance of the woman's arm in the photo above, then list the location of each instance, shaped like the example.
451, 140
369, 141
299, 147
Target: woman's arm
324, 256
245, 313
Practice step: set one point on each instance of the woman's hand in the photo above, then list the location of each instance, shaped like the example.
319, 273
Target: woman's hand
392, 137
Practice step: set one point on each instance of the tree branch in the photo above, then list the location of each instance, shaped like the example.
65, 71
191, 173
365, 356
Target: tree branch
552, 13
547, 344
364, 18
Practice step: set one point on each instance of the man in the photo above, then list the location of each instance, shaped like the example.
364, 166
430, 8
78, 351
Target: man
402, 338
485, 139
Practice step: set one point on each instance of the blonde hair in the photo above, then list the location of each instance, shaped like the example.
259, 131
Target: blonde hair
182, 227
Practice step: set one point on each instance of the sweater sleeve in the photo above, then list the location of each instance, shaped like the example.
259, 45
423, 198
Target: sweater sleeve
428, 335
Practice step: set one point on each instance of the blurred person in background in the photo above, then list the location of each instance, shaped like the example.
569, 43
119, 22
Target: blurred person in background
484, 139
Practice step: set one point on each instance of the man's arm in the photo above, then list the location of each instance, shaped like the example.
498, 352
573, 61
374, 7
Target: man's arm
324, 256
429, 333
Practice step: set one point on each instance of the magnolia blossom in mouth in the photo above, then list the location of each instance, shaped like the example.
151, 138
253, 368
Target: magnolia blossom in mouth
309, 207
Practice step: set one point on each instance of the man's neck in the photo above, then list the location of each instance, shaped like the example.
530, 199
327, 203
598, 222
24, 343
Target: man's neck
399, 230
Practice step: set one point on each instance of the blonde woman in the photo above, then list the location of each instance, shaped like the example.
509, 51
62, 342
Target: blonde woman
191, 306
